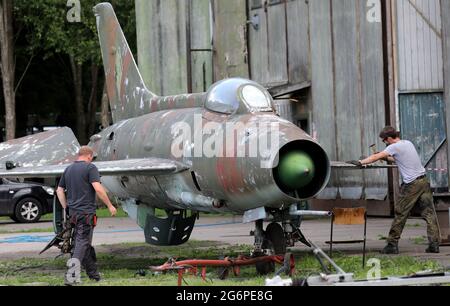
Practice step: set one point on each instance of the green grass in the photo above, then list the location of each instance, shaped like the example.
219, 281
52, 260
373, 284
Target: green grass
415, 225
119, 264
419, 240
104, 213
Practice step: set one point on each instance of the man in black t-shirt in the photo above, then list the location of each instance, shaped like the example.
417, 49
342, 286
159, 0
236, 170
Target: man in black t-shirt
77, 189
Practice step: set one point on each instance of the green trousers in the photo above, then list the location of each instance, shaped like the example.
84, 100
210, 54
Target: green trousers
417, 193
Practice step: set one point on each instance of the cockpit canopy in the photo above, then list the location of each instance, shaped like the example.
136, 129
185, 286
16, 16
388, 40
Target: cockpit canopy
238, 95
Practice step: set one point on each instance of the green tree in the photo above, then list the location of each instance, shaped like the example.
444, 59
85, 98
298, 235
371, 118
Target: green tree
50, 30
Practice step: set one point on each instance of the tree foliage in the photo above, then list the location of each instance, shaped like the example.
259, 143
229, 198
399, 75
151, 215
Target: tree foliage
49, 33
48, 29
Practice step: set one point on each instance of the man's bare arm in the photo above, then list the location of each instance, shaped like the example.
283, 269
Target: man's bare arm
62, 197
376, 157
391, 159
101, 193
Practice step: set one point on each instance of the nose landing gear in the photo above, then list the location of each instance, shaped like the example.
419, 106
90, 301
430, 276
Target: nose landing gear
274, 241
270, 242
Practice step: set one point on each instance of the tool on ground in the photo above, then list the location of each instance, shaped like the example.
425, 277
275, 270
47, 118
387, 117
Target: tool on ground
228, 264
63, 240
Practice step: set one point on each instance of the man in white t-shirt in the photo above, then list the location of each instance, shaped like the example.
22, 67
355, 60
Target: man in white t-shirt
415, 189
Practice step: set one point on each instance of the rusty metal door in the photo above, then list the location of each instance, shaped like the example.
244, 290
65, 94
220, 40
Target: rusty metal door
422, 121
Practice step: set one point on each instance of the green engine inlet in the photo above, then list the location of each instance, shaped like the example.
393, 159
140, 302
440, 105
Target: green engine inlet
296, 170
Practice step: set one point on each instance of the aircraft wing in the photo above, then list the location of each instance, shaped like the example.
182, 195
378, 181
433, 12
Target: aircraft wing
147, 166
47, 155
59, 146
344, 166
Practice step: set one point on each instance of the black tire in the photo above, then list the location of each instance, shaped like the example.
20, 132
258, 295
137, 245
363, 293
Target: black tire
14, 218
264, 268
275, 234
274, 240
28, 210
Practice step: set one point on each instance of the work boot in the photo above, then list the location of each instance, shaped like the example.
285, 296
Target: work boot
391, 248
433, 248
95, 277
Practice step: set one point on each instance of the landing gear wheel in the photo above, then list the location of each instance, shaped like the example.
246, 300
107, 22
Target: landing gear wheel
264, 268
275, 241
275, 234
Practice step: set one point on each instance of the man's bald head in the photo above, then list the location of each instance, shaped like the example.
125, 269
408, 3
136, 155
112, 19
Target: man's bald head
85, 151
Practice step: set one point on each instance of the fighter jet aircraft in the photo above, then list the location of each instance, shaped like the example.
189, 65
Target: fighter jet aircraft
157, 155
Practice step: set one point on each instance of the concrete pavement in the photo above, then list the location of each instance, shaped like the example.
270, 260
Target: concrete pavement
228, 230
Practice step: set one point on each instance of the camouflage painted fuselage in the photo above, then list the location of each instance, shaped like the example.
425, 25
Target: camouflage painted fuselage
213, 183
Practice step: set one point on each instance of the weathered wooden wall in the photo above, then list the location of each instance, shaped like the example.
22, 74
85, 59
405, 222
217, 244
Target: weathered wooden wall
230, 39
161, 34
422, 120
328, 50
445, 12
174, 45
200, 45
420, 83
419, 32
348, 91
279, 42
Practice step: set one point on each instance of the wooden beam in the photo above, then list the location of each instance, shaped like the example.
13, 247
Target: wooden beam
284, 90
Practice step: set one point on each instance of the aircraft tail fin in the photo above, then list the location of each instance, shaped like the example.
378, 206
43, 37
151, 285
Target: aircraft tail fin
128, 95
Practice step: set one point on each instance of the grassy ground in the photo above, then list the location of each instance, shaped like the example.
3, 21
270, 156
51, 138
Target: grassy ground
119, 264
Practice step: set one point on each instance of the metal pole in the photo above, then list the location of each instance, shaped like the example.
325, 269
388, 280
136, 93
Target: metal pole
365, 237
318, 251
331, 236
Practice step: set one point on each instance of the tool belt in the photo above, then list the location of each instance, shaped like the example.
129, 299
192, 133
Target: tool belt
89, 219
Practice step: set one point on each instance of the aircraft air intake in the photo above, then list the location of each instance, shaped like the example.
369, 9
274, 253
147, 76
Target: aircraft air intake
303, 170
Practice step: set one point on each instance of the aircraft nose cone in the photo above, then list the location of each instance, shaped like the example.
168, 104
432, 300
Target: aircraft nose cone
296, 170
